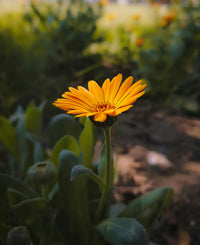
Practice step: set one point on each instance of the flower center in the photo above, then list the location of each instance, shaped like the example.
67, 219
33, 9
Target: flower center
41, 166
100, 107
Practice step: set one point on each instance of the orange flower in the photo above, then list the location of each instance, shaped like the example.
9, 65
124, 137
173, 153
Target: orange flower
103, 2
136, 16
139, 42
167, 19
99, 102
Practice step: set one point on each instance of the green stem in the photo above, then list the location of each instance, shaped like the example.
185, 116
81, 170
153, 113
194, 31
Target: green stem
108, 174
45, 193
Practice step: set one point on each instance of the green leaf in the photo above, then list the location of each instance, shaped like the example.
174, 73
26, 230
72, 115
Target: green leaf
74, 197
7, 181
149, 207
30, 209
38, 152
22, 141
15, 196
87, 142
123, 231
116, 209
66, 143
80, 170
62, 125
53, 191
42, 105
34, 203
33, 117
176, 50
8, 137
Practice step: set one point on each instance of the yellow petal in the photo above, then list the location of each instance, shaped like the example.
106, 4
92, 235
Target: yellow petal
89, 114
100, 117
106, 89
124, 87
137, 90
127, 101
96, 90
112, 113
77, 94
132, 89
124, 108
87, 94
73, 103
77, 111
114, 86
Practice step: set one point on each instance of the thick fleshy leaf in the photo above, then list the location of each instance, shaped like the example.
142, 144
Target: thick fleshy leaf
123, 231
66, 143
80, 170
87, 142
33, 117
8, 137
149, 207
73, 195
62, 125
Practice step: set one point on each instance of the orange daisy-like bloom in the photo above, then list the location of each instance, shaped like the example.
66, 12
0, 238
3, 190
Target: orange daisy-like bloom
110, 100
139, 42
167, 19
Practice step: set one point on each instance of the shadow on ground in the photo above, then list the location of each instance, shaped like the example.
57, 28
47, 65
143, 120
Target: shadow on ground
155, 148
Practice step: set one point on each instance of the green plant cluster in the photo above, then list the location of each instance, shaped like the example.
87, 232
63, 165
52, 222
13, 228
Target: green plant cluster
51, 189
43, 43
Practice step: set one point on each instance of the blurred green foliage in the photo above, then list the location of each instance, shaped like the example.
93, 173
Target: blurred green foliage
165, 54
43, 48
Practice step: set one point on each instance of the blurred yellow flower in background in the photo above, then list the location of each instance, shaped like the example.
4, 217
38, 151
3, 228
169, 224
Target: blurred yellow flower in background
136, 16
103, 2
110, 16
99, 102
167, 19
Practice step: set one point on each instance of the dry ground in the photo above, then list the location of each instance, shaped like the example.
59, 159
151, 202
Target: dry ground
155, 148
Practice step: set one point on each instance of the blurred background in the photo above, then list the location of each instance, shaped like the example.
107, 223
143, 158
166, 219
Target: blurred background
46, 46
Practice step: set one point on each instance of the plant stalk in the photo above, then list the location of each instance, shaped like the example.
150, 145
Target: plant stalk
108, 174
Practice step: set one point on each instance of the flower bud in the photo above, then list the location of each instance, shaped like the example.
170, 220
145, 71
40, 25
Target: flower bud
107, 123
42, 173
19, 235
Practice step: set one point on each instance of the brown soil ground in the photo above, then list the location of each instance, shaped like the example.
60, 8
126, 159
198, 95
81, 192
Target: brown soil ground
155, 148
